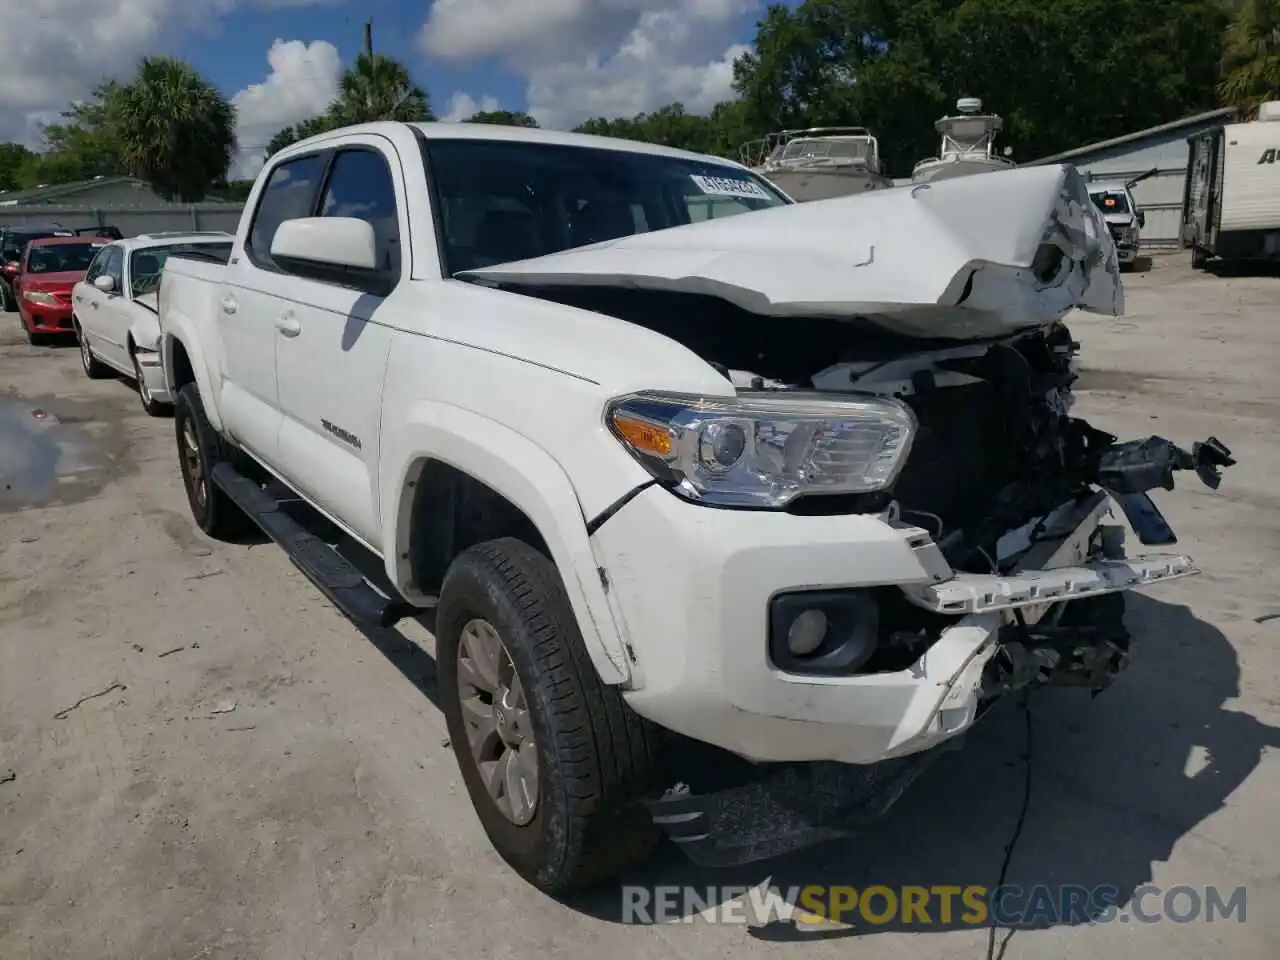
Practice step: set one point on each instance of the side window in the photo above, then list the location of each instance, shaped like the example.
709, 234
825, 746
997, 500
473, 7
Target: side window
113, 267
98, 266
360, 186
288, 195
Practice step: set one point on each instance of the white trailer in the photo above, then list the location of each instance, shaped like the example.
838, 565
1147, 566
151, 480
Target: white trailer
1231, 207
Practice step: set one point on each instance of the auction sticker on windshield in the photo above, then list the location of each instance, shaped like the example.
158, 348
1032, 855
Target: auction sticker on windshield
729, 187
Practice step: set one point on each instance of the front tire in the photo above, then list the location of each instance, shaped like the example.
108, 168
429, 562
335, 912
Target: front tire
94, 368
151, 406
200, 449
554, 760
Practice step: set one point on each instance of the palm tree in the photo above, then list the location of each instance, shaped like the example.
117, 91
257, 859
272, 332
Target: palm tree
378, 87
175, 130
1251, 56
300, 131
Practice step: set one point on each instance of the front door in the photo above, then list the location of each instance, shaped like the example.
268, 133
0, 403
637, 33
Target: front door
331, 353
109, 314
256, 292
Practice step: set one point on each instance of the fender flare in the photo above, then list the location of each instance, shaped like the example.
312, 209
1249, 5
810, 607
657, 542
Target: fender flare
178, 329
526, 475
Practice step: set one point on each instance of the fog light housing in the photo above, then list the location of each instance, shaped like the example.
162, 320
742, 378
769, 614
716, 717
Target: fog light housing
823, 633
807, 631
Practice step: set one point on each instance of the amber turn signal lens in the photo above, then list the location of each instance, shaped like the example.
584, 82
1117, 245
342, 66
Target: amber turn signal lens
644, 437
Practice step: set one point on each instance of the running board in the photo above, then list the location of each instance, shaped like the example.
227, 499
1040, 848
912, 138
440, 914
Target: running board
335, 576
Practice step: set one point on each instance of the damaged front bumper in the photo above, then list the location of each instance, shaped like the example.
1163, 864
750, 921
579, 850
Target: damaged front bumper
1055, 618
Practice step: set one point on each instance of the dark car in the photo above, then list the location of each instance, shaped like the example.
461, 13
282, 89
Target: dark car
13, 241
112, 233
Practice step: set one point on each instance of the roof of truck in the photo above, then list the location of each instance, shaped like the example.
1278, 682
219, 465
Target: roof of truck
447, 130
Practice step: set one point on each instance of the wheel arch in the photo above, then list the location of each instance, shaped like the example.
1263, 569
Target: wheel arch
453, 478
183, 364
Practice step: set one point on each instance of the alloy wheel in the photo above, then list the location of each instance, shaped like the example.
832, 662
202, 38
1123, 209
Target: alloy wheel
496, 712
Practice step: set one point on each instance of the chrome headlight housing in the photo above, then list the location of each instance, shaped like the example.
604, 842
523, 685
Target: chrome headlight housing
764, 451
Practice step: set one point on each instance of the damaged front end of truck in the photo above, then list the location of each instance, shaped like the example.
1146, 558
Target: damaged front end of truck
948, 298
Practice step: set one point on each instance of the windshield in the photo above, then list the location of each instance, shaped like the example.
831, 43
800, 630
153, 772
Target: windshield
511, 200
62, 258
1111, 201
145, 266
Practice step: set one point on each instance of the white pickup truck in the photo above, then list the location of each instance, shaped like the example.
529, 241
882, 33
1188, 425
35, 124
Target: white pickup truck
732, 512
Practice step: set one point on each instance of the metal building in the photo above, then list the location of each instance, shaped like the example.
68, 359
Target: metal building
1164, 149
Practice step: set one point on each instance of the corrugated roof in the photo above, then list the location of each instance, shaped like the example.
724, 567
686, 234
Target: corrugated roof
1224, 114
40, 194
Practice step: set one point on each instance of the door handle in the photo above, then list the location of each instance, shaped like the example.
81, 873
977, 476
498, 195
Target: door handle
288, 325
229, 305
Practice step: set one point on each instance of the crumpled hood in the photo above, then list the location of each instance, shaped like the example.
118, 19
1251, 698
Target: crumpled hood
953, 259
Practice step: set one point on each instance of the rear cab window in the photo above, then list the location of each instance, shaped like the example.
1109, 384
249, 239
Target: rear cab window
1111, 201
501, 201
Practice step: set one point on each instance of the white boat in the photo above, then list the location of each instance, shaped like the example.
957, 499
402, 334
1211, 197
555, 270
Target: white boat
818, 163
968, 145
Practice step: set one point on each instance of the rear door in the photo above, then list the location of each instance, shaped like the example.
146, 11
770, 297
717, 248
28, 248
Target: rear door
252, 298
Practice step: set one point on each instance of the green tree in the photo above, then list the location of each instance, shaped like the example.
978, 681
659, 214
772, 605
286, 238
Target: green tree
176, 130
1061, 74
1251, 56
377, 87
507, 118
300, 131
14, 158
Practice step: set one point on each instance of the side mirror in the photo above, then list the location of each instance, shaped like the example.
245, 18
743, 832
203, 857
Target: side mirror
342, 242
11, 268
1142, 218
104, 283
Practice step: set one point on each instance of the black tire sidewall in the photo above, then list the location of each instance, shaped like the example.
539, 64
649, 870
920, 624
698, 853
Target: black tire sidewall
188, 408
470, 592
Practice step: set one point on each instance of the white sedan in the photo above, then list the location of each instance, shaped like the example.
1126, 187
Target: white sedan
115, 310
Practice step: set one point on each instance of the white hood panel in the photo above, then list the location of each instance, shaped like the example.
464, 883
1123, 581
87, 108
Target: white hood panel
951, 259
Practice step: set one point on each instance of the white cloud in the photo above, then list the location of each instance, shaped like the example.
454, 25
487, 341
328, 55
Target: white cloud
585, 58
463, 105
302, 83
85, 40
58, 50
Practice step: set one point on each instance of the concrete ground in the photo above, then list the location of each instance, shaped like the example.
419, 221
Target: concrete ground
199, 758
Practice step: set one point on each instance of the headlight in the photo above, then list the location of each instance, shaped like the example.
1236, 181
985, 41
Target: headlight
764, 451
44, 299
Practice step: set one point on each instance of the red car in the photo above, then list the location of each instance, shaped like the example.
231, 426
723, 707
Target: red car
43, 278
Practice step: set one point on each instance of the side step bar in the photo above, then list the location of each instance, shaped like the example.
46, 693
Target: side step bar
335, 576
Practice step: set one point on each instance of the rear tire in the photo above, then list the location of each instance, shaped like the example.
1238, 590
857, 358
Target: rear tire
200, 448
594, 755
94, 368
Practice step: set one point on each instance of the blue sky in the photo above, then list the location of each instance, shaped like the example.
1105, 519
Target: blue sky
234, 54
279, 60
